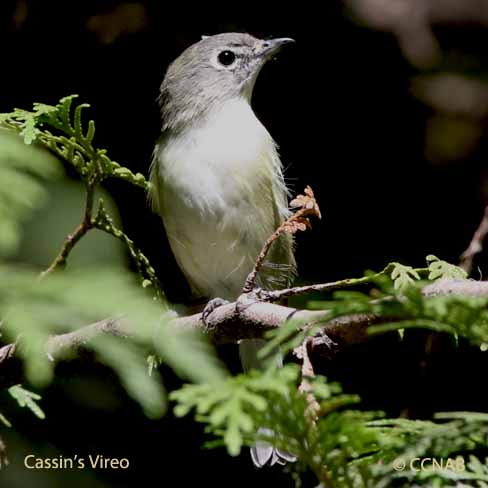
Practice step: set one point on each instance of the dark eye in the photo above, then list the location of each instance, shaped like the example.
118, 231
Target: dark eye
226, 58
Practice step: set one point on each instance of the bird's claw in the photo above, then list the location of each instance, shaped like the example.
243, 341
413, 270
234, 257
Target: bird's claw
210, 307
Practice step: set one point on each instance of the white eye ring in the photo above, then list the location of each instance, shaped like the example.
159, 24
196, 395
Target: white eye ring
224, 59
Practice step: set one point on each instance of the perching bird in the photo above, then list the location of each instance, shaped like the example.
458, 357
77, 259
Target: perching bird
217, 179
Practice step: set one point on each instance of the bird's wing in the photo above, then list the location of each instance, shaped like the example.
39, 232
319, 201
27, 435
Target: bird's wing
154, 180
279, 269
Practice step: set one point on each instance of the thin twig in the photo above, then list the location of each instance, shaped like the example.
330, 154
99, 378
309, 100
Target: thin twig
313, 407
250, 283
308, 373
476, 244
298, 221
72, 239
276, 295
104, 222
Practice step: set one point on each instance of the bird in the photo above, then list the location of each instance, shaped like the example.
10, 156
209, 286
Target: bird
217, 179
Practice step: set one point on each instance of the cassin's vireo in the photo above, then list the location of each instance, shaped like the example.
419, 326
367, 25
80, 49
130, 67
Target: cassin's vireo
217, 179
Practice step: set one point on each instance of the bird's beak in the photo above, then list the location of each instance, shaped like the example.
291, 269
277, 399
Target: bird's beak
272, 46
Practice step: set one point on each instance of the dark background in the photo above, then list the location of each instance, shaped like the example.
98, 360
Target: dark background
364, 110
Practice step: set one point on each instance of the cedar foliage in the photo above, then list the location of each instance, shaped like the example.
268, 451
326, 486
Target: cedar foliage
344, 445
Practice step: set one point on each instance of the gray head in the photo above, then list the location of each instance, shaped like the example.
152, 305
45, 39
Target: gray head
215, 69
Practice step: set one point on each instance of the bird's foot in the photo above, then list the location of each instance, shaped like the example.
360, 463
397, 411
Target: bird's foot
210, 307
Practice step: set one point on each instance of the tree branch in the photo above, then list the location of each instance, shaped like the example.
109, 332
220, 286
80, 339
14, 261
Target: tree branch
244, 319
476, 244
470, 288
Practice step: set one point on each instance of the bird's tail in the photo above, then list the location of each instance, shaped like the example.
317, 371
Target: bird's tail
262, 453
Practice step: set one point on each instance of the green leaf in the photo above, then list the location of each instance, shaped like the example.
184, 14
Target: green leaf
439, 269
26, 398
5, 421
22, 169
63, 302
230, 405
403, 276
70, 140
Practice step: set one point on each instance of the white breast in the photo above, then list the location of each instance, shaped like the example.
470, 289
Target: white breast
209, 162
218, 187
